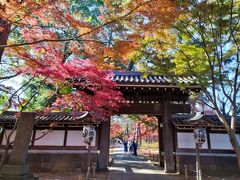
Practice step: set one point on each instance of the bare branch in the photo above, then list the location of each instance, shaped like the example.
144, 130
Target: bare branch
10, 99
9, 77
205, 103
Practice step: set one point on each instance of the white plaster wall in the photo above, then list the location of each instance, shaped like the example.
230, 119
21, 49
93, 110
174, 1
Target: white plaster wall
75, 138
11, 138
186, 140
220, 141
53, 138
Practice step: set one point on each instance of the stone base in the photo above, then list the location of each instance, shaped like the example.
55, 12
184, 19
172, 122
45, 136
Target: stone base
13, 172
170, 171
46, 162
218, 166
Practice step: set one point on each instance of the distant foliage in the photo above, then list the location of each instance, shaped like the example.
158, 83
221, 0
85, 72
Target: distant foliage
116, 130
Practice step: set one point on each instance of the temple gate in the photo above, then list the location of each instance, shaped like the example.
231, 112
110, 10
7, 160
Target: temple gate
151, 95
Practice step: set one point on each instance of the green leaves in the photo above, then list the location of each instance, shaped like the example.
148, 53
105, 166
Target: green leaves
65, 90
87, 10
190, 59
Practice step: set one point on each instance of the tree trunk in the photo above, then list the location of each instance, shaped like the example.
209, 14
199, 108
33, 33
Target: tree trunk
4, 34
232, 136
147, 138
235, 145
140, 135
137, 134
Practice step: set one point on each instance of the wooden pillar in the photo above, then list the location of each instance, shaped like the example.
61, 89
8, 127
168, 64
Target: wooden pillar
208, 140
160, 141
104, 136
169, 158
16, 168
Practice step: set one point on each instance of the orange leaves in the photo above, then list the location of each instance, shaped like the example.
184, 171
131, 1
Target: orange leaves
145, 14
19, 52
136, 19
14, 11
129, 21
34, 64
159, 9
124, 47
116, 130
31, 13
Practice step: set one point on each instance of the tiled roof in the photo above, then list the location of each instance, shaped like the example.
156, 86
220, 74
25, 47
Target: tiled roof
191, 119
60, 117
139, 78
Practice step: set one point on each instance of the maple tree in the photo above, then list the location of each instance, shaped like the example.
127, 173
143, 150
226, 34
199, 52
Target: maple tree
114, 13
48, 37
144, 127
138, 128
217, 53
91, 88
116, 130
135, 127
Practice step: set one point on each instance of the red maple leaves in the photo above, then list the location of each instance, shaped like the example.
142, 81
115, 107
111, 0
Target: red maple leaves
89, 88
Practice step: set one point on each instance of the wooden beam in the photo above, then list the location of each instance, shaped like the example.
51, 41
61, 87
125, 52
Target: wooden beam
180, 108
154, 109
141, 108
65, 136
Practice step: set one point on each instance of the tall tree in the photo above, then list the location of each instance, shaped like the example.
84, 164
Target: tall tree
204, 42
210, 51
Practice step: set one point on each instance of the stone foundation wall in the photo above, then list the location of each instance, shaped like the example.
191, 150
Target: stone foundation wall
39, 162
210, 165
60, 162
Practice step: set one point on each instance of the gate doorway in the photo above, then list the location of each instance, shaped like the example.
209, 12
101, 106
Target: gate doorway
129, 132
153, 95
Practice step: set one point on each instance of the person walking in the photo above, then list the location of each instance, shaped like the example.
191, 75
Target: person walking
135, 146
131, 147
125, 146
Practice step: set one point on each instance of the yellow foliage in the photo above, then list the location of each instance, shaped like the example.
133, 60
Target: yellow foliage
48, 93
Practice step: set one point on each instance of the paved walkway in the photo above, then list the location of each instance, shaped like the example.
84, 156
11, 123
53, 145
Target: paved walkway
125, 166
